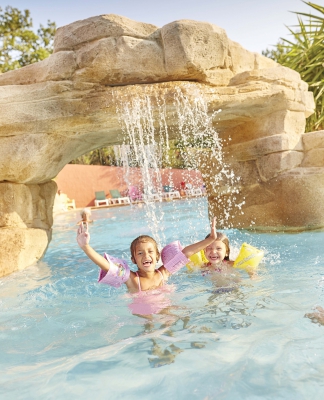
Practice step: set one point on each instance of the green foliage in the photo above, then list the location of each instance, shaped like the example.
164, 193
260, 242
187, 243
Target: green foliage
19, 44
277, 54
305, 54
172, 157
102, 156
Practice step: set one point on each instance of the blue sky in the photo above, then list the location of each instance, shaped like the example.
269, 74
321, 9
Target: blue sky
255, 24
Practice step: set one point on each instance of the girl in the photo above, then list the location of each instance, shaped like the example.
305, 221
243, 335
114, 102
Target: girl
219, 265
145, 254
217, 254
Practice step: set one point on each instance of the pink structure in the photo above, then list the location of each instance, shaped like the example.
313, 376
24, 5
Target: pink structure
80, 182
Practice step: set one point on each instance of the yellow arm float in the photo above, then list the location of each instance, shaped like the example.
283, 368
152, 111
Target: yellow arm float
249, 257
196, 260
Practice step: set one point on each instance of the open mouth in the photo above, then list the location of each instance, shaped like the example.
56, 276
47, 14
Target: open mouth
215, 258
147, 263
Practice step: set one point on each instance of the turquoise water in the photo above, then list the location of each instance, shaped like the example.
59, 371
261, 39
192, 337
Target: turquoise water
65, 336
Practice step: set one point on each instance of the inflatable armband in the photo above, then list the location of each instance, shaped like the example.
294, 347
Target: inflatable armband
249, 257
118, 273
197, 260
172, 257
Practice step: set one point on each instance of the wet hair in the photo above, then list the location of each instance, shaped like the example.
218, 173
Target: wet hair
143, 239
223, 238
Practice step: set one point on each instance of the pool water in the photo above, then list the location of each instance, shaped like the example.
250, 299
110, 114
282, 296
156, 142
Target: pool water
65, 336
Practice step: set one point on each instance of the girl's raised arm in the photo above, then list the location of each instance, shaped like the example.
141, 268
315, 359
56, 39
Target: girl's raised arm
196, 247
83, 239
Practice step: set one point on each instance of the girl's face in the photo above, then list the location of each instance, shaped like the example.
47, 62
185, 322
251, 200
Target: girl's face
146, 256
215, 252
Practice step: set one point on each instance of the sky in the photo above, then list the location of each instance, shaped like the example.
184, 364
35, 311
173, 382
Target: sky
255, 24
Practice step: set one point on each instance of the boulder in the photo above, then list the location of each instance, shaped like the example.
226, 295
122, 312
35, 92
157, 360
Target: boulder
26, 221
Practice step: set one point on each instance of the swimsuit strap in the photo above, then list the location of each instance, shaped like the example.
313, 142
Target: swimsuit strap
161, 276
139, 282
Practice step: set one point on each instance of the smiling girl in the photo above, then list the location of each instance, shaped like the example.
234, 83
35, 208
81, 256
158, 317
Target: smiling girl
145, 254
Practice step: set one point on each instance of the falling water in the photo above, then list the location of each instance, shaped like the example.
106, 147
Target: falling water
143, 118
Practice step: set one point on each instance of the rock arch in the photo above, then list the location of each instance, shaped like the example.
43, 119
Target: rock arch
62, 107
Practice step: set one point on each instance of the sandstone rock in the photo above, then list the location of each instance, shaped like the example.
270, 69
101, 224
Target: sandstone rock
278, 74
21, 247
314, 149
140, 60
251, 150
113, 50
289, 202
59, 66
313, 140
64, 121
301, 193
240, 59
193, 48
26, 219
314, 158
27, 206
272, 165
72, 36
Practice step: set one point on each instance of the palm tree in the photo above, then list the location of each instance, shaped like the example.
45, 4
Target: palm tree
305, 54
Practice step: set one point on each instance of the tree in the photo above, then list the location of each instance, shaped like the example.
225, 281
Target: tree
305, 54
19, 44
102, 156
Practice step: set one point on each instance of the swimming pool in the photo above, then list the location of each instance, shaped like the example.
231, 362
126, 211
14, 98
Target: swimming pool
65, 336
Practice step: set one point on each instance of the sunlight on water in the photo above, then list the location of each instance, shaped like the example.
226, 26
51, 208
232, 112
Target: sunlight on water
65, 336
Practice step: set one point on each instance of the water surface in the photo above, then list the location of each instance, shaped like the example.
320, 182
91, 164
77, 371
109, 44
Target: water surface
65, 336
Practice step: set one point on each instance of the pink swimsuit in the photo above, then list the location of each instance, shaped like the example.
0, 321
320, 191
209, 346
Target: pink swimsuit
151, 301
139, 281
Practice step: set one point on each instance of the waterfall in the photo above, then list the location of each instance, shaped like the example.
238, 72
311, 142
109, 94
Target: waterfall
146, 134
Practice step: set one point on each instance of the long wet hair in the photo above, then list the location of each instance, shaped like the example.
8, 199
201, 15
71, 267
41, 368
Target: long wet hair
143, 239
223, 238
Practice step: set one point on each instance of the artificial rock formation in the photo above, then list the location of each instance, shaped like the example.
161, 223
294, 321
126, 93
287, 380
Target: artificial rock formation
64, 106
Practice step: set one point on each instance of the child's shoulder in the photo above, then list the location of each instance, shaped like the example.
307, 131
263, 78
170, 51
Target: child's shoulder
165, 273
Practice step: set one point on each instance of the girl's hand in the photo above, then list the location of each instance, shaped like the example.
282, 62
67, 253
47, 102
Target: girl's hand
83, 236
213, 233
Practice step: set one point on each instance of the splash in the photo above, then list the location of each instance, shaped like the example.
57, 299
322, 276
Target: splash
147, 127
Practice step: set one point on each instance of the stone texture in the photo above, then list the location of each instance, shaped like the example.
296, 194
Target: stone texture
114, 50
290, 202
314, 158
58, 67
313, 140
314, 149
194, 50
73, 36
58, 109
301, 196
55, 122
254, 149
21, 247
279, 74
140, 60
272, 165
280, 122
26, 220
27, 206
